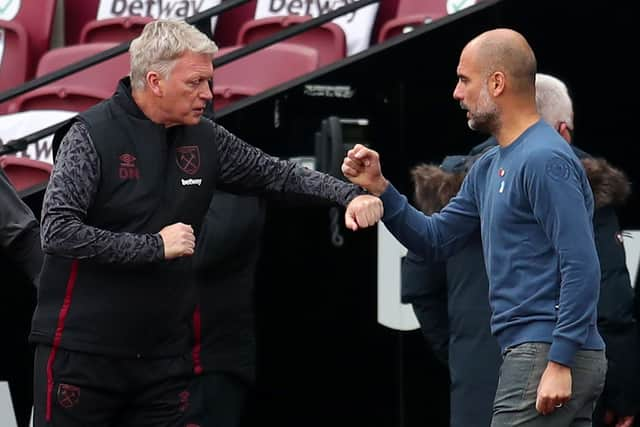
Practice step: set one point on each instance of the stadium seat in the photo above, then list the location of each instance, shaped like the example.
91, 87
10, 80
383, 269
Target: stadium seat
37, 19
53, 97
77, 91
14, 57
387, 10
76, 15
277, 64
405, 24
229, 23
409, 14
413, 7
115, 30
25, 173
110, 71
79, 13
329, 39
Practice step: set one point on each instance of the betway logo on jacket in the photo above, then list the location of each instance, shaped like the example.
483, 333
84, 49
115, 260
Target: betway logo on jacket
153, 8
191, 181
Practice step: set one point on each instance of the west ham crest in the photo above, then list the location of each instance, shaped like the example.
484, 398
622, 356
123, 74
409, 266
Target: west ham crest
188, 159
68, 395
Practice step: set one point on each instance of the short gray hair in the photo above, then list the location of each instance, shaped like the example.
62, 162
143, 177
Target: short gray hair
553, 100
161, 43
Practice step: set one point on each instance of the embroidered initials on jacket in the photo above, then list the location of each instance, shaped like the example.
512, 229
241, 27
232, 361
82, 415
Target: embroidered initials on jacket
128, 168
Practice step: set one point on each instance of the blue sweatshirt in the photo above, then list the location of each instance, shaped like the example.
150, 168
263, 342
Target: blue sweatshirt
533, 204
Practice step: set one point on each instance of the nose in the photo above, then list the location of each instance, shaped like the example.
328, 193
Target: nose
457, 92
206, 92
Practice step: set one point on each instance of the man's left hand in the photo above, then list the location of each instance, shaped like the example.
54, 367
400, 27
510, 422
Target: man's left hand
554, 389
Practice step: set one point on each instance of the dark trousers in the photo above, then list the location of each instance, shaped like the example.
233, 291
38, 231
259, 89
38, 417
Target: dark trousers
219, 400
73, 389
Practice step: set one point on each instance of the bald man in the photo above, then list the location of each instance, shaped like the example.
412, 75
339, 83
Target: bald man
530, 198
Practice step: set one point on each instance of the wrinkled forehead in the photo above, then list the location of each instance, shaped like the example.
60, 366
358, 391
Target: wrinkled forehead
189, 58
194, 62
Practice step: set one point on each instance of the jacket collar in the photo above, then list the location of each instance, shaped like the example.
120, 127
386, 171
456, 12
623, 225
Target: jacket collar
124, 99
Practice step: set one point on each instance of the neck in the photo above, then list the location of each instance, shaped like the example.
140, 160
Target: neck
143, 101
514, 123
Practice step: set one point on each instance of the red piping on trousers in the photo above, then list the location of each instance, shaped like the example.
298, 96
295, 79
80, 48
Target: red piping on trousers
64, 310
197, 333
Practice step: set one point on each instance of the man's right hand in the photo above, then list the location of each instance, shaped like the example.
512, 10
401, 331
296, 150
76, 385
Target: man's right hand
178, 240
362, 167
363, 211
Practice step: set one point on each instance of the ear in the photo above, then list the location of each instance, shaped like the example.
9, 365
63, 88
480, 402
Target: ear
496, 83
564, 131
154, 81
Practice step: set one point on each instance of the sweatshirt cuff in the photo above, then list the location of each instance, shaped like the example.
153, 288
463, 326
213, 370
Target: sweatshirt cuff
392, 201
563, 351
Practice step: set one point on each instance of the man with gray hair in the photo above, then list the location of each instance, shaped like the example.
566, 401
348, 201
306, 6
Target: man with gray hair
132, 180
554, 104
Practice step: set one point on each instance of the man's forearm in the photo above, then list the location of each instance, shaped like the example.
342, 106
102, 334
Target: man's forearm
247, 168
72, 187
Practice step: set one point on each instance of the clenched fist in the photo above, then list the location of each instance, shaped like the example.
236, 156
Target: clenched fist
554, 389
363, 211
178, 240
362, 167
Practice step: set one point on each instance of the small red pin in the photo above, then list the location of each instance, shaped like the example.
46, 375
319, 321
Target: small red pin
501, 172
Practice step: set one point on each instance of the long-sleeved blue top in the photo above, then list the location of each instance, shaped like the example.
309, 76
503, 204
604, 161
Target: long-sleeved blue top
534, 206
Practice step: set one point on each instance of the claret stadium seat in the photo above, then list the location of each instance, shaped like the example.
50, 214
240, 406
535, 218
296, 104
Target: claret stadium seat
329, 39
277, 64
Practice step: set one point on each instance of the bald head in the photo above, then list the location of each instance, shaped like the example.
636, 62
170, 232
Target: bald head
496, 84
509, 52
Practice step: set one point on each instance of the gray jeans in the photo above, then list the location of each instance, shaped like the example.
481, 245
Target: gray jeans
520, 373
